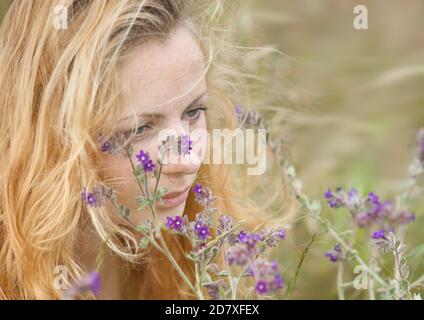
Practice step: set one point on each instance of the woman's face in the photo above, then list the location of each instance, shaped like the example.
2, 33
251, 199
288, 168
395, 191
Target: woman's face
167, 92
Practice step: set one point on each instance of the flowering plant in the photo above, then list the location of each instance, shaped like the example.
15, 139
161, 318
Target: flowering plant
385, 223
211, 235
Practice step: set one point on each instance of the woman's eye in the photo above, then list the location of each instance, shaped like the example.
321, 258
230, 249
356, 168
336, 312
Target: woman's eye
195, 113
139, 131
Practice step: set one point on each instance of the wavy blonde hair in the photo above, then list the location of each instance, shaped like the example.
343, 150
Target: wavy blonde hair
59, 90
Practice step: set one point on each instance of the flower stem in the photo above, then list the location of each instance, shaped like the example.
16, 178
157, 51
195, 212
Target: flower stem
198, 281
171, 258
151, 205
340, 290
134, 172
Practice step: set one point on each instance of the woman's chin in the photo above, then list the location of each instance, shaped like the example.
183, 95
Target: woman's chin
164, 211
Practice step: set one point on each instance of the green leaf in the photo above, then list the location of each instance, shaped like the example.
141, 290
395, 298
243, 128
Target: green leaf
162, 191
143, 202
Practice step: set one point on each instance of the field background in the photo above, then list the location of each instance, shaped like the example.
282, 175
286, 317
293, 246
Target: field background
354, 102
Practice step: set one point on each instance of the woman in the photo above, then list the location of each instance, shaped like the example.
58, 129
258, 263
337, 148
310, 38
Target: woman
118, 66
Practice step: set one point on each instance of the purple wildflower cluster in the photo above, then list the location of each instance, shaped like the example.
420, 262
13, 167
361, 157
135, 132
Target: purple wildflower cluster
267, 276
176, 223
112, 145
368, 210
203, 196
145, 162
95, 198
244, 248
245, 253
201, 229
203, 222
336, 254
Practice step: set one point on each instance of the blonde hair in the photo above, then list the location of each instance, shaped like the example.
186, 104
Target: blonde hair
60, 89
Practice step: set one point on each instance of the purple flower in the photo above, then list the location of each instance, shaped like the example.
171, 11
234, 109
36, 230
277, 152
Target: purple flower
186, 144
145, 161
203, 232
278, 281
332, 257
250, 239
96, 197
142, 157
335, 200
91, 199
261, 287
267, 276
203, 196
198, 225
198, 188
89, 283
282, 233
175, 223
242, 236
112, 145
335, 255
170, 222
368, 210
105, 146
379, 234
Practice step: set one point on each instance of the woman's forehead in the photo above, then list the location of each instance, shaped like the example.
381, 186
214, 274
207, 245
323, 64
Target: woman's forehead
163, 73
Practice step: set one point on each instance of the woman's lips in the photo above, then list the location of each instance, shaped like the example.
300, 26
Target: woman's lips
173, 199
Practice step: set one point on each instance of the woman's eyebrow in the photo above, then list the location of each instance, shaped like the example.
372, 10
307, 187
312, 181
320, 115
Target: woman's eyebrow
160, 115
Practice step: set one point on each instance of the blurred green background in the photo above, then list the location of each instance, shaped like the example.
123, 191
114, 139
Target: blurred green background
353, 102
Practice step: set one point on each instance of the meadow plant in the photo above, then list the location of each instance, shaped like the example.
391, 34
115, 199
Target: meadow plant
213, 234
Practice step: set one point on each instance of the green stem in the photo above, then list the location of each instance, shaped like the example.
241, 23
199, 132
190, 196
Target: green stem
299, 265
340, 290
358, 258
134, 172
230, 278
157, 180
151, 205
199, 279
169, 255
